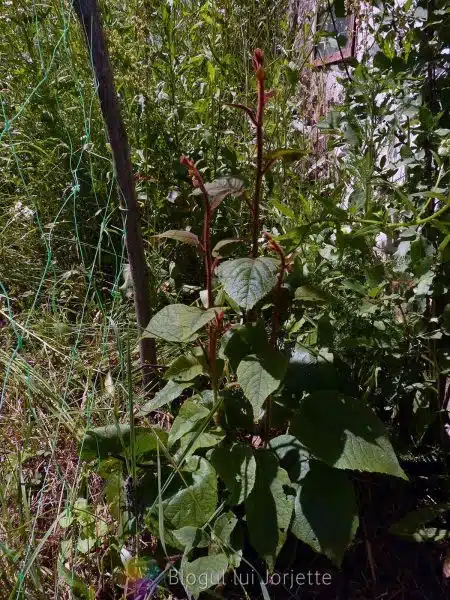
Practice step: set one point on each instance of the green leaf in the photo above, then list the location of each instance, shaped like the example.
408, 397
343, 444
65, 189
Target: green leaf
307, 293
344, 433
219, 189
179, 323
242, 340
411, 526
260, 376
248, 280
228, 537
186, 237
236, 466
284, 209
188, 417
111, 440
223, 528
190, 537
236, 412
325, 511
195, 504
269, 507
291, 455
86, 544
186, 367
170, 392
203, 573
195, 440
225, 247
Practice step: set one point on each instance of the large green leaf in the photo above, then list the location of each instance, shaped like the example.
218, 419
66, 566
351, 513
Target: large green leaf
236, 466
195, 439
228, 537
344, 433
203, 573
242, 340
186, 367
325, 511
269, 507
195, 504
248, 280
113, 440
308, 372
189, 416
179, 323
170, 391
293, 457
190, 537
260, 376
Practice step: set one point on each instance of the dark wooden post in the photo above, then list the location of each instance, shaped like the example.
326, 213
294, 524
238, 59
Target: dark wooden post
89, 15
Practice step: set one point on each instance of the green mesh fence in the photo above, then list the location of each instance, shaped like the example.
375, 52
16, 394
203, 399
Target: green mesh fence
59, 333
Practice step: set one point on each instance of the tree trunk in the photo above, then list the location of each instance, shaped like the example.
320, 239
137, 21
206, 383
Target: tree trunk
89, 15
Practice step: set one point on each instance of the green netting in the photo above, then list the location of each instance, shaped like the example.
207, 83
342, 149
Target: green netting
54, 254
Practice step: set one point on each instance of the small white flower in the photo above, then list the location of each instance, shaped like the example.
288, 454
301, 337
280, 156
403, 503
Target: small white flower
20, 211
125, 556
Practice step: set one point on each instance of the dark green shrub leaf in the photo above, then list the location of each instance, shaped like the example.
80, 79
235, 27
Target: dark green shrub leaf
248, 280
260, 376
242, 340
194, 440
227, 536
309, 372
236, 412
344, 433
179, 323
186, 367
236, 466
112, 440
203, 573
188, 417
190, 537
195, 504
269, 507
293, 457
223, 527
325, 511
170, 391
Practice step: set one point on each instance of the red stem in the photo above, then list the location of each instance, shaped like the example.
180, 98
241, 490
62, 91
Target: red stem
207, 249
277, 304
258, 61
197, 182
259, 168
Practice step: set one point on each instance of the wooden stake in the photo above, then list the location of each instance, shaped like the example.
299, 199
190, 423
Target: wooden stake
89, 16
